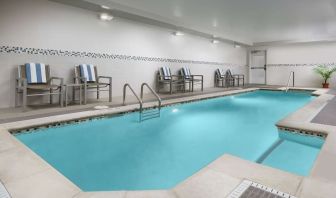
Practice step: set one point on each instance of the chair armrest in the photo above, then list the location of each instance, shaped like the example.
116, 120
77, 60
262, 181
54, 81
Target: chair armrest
172, 77
21, 82
239, 76
56, 78
229, 77
193, 76
80, 79
177, 77
105, 77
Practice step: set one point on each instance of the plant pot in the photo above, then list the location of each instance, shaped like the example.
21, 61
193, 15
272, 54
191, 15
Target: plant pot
325, 85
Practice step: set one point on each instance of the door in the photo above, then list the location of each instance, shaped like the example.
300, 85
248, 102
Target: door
258, 67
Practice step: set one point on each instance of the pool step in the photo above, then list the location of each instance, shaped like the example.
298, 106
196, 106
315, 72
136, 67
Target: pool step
150, 114
269, 151
250, 189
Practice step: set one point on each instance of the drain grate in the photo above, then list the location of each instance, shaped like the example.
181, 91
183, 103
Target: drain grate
249, 189
3, 192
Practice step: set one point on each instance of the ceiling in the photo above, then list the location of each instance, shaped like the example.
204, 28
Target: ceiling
246, 21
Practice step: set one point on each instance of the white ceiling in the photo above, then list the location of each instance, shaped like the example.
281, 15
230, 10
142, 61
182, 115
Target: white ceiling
249, 21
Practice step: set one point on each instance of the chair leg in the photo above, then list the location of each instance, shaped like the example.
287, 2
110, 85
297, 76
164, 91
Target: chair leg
24, 99
61, 96
85, 94
73, 94
80, 95
16, 97
192, 86
110, 93
202, 85
98, 92
51, 96
171, 88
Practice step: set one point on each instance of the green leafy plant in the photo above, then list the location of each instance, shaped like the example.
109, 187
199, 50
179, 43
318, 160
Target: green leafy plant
325, 72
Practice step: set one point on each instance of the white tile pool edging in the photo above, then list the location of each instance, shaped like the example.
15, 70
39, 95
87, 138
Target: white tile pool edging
32, 176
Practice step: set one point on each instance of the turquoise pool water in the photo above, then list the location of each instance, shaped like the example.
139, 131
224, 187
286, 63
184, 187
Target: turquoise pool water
119, 153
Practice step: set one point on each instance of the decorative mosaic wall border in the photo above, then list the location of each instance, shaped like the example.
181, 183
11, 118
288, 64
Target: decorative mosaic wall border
50, 52
301, 65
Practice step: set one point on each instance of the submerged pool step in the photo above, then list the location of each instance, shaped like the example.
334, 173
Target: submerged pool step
150, 114
250, 189
269, 151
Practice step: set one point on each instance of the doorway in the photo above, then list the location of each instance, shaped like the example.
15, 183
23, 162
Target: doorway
258, 67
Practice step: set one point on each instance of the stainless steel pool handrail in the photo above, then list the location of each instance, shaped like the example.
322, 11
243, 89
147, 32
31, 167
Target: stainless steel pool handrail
291, 75
153, 92
150, 114
137, 97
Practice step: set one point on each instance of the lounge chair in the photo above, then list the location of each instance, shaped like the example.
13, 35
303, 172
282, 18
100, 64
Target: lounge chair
164, 77
87, 74
223, 79
192, 80
237, 77
34, 79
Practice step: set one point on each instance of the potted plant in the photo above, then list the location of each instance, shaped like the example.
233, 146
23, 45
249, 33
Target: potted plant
325, 72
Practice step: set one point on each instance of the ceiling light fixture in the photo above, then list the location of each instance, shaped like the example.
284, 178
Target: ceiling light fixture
214, 41
178, 33
105, 7
105, 17
236, 45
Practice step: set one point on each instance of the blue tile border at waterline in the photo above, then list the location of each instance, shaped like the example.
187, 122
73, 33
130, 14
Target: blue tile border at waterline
303, 132
70, 53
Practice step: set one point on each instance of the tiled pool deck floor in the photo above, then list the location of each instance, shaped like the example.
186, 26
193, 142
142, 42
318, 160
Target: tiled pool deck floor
27, 175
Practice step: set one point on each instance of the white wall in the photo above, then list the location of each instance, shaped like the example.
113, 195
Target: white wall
302, 58
48, 25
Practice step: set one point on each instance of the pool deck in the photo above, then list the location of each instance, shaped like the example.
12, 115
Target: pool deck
26, 175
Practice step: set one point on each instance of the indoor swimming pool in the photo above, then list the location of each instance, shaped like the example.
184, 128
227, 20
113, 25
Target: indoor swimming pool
121, 153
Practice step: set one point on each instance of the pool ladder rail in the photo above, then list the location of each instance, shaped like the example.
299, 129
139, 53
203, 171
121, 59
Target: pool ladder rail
291, 76
144, 114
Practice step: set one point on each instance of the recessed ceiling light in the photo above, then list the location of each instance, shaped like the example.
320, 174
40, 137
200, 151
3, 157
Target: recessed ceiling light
105, 7
214, 41
105, 17
178, 33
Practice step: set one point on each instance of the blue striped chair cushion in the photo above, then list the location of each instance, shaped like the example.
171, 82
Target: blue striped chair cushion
220, 73
87, 71
228, 73
166, 73
36, 73
186, 72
